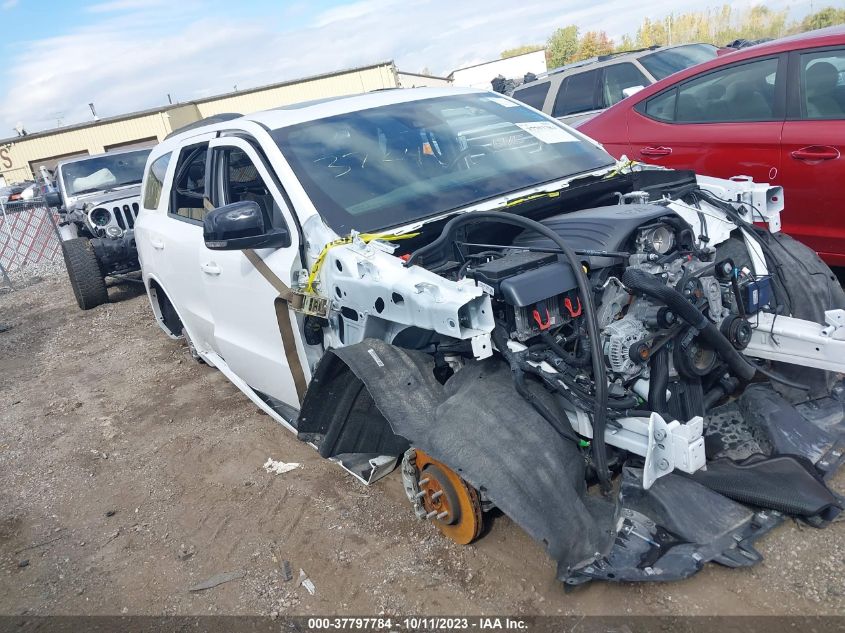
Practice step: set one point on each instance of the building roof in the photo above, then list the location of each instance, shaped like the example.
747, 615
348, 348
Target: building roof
403, 72
492, 61
168, 107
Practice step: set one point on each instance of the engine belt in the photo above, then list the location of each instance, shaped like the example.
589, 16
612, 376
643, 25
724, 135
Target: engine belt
286, 300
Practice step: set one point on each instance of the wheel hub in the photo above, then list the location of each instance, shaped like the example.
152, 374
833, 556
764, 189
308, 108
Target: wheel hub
449, 501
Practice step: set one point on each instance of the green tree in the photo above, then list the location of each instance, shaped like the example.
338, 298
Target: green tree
521, 50
562, 46
593, 44
625, 44
829, 16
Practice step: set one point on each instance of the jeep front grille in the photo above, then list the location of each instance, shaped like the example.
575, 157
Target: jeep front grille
125, 215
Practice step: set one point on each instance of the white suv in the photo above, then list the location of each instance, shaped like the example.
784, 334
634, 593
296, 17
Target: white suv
452, 281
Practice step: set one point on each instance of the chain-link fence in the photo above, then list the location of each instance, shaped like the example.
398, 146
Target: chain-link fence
29, 241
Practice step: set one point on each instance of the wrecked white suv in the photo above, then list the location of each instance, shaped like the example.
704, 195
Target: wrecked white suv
454, 283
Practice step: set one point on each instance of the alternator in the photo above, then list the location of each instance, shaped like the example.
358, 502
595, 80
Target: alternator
620, 336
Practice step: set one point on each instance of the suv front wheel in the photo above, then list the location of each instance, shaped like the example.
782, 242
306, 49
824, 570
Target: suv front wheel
83, 269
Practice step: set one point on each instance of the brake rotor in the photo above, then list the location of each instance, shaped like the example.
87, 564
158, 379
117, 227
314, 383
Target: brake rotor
451, 503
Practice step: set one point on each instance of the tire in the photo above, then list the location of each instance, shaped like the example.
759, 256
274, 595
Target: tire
86, 276
809, 288
812, 288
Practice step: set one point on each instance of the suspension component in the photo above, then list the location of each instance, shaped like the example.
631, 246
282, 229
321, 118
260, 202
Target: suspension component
442, 496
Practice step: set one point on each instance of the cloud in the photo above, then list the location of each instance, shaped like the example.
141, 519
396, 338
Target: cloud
131, 55
9, 4
122, 5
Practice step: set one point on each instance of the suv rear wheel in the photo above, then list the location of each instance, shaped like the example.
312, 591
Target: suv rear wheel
86, 277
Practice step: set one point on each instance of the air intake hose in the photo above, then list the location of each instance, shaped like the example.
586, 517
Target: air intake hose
647, 284
659, 381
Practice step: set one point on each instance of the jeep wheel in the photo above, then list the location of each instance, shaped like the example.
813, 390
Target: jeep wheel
83, 269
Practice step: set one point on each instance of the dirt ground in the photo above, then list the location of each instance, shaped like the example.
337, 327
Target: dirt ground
131, 473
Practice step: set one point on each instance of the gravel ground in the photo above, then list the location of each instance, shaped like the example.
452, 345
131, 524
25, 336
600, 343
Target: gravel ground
131, 473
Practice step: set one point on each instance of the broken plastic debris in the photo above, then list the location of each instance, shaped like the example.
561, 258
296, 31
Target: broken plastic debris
219, 579
279, 468
305, 581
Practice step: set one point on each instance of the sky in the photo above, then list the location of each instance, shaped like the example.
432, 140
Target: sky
56, 56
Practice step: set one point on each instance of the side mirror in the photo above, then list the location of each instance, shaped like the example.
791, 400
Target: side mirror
632, 90
241, 225
53, 199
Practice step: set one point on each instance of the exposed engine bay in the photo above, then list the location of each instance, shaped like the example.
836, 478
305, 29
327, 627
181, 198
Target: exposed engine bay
669, 346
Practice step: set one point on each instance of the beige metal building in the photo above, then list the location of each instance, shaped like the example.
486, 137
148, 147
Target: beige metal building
20, 157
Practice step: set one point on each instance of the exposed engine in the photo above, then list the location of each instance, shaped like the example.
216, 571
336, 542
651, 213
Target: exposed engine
536, 301
605, 345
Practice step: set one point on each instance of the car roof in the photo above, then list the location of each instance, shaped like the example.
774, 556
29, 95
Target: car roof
601, 61
302, 112
833, 35
79, 159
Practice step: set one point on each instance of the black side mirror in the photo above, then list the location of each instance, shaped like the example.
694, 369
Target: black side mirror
241, 225
53, 199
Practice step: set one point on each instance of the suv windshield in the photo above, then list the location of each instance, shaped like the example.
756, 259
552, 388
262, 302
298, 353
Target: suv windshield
104, 172
387, 166
663, 63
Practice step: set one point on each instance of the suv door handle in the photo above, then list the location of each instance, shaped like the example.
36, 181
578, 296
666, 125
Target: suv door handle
210, 268
816, 152
157, 244
656, 151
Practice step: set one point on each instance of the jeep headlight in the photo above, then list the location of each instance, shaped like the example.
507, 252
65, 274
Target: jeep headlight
100, 217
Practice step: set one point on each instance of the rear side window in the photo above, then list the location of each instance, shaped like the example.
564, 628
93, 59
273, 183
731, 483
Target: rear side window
534, 95
739, 93
672, 60
618, 78
577, 94
823, 85
155, 181
189, 183
661, 107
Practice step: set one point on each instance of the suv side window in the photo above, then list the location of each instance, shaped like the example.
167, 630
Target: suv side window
189, 183
155, 181
743, 92
577, 94
617, 78
535, 95
823, 85
241, 181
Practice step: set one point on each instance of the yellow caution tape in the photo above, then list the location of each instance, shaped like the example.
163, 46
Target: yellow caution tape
366, 237
619, 168
535, 196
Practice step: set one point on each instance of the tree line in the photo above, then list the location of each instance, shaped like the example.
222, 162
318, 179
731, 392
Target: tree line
716, 26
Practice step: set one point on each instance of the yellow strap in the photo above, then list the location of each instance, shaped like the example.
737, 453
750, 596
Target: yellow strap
366, 237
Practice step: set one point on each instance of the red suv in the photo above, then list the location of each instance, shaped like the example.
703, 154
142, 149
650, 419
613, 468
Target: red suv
775, 111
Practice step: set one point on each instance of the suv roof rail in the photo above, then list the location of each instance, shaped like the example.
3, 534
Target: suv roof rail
216, 118
607, 56
592, 60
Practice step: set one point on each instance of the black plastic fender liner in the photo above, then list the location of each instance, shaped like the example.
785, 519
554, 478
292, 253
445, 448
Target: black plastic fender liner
671, 530
476, 424
780, 426
784, 483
